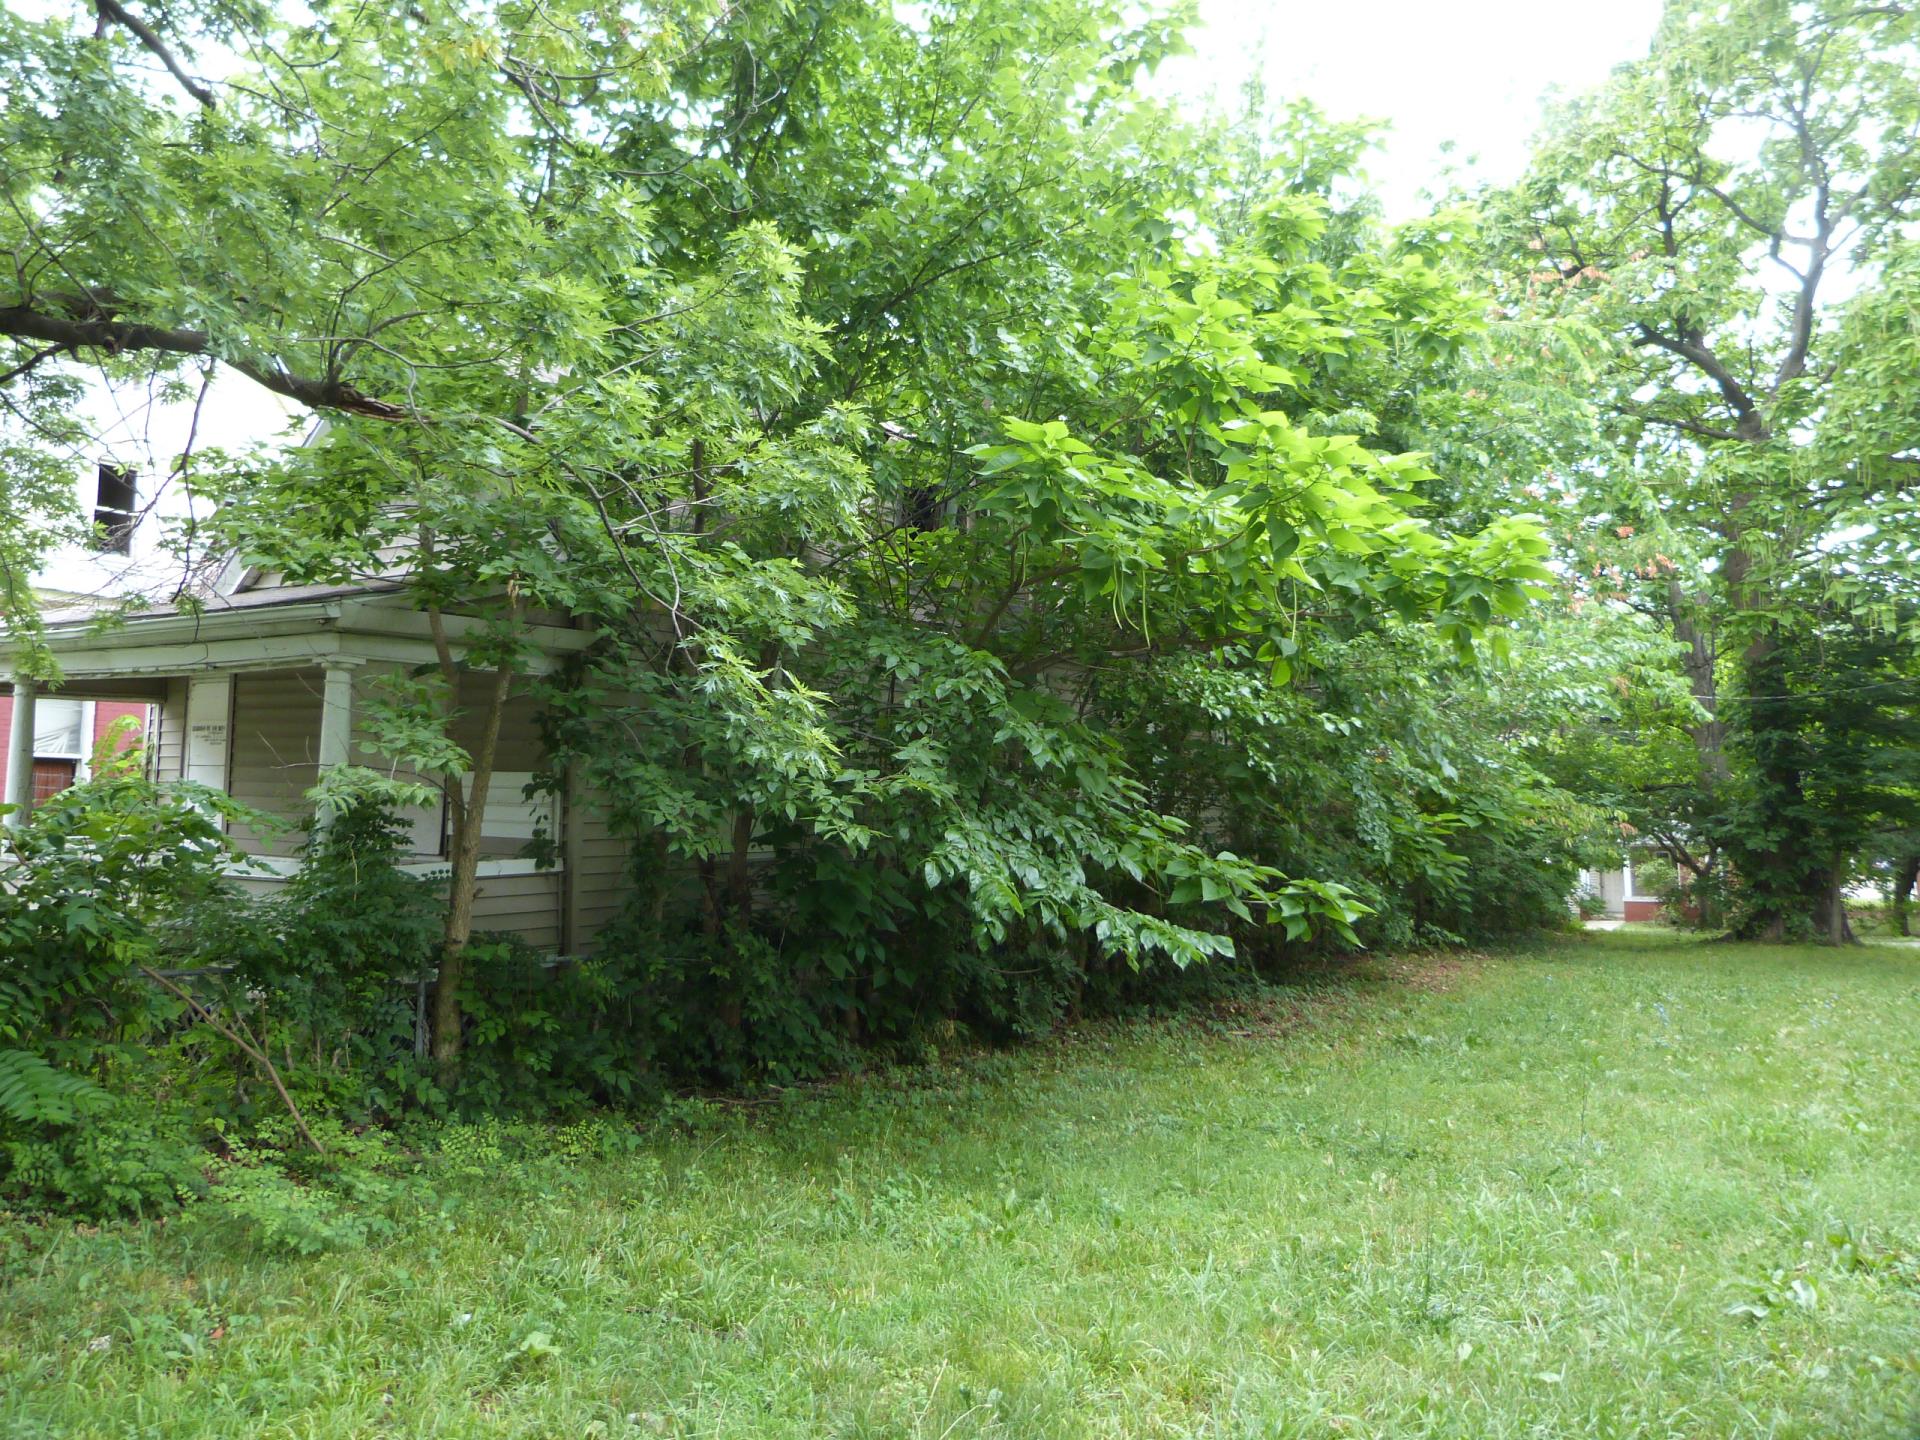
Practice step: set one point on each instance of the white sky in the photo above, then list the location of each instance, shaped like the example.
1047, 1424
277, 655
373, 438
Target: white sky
1471, 71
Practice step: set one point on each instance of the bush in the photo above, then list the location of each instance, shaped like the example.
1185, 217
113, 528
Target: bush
99, 875
285, 1198
126, 1156
545, 1037
331, 964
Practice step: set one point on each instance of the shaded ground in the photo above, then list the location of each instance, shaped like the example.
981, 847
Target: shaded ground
1620, 1186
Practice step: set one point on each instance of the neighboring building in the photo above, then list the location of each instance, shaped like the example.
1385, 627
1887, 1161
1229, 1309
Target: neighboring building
262, 690
1620, 901
66, 733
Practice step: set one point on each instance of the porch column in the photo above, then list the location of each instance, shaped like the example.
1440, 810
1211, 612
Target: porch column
336, 712
19, 793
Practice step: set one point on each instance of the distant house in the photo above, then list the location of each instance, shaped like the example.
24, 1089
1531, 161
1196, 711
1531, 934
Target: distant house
1618, 898
262, 690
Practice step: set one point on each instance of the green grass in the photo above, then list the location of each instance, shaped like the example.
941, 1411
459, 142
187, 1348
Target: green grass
1618, 1186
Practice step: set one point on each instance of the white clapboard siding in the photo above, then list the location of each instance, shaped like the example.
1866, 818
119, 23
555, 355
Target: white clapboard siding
525, 905
598, 878
168, 741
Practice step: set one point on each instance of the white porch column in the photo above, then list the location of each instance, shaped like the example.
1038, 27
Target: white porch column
19, 793
336, 712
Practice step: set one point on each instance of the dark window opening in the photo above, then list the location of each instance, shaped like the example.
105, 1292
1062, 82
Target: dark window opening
115, 509
925, 508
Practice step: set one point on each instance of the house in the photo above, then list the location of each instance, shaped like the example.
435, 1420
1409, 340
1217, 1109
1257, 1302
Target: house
122, 555
1618, 898
263, 687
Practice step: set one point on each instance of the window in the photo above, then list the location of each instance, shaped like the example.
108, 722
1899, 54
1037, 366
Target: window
511, 822
115, 507
57, 724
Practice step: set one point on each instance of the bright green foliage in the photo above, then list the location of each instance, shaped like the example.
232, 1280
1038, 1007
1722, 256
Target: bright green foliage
873, 382
1622, 1186
93, 884
922, 417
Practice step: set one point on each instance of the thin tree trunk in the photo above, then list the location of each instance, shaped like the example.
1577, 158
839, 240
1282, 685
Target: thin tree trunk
740, 869
467, 812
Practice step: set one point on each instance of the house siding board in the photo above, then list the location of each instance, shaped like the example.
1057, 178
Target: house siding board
274, 757
601, 884
524, 905
169, 732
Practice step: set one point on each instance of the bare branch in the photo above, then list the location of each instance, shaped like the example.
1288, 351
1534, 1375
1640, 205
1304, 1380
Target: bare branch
245, 1041
1692, 348
1688, 426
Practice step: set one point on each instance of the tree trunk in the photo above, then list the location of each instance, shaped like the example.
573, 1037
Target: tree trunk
1710, 735
740, 869
468, 814
1906, 877
1831, 913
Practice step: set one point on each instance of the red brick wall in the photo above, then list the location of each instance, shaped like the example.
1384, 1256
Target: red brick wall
1642, 909
105, 712
108, 711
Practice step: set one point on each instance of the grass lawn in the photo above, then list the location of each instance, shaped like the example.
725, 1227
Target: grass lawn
1621, 1185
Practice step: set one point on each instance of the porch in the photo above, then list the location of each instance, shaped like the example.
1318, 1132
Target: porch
259, 700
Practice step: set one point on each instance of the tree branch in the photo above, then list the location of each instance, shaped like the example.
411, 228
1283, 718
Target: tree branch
243, 1040
1690, 427
80, 324
27, 364
1694, 350
147, 36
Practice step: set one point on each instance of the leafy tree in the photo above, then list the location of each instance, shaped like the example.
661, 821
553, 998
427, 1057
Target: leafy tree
1705, 213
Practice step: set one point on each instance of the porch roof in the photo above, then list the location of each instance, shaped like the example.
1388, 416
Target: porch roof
273, 628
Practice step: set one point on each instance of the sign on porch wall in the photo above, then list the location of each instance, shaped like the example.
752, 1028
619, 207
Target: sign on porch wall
209, 716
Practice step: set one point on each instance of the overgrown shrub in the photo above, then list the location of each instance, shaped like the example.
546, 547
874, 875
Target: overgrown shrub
87, 902
273, 1188
330, 966
546, 1037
